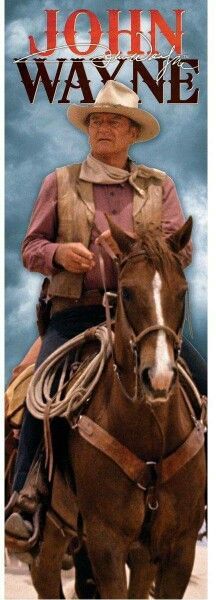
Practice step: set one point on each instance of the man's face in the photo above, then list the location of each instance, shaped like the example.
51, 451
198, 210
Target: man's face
110, 133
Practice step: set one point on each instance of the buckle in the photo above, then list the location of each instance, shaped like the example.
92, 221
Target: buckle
198, 423
141, 487
153, 474
111, 296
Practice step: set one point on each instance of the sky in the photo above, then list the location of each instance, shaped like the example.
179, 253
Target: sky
39, 138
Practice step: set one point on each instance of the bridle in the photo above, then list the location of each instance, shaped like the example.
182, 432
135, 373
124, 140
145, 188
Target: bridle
135, 340
152, 329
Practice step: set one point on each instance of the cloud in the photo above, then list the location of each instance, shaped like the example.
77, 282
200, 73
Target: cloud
21, 297
17, 32
196, 205
27, 291
197, 272
16, 37
39, 138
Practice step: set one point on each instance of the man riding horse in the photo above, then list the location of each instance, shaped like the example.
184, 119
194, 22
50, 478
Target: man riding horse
69, 222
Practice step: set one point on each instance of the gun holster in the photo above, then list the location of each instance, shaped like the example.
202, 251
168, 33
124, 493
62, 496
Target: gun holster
43, 308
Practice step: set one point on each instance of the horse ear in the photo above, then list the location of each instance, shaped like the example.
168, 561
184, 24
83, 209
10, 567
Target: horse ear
125, 242
178, 240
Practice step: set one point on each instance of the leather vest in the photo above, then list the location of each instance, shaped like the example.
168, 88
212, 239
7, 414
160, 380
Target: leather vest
76, 211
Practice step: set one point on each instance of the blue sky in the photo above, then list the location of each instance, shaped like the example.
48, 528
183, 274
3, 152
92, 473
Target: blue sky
39, 138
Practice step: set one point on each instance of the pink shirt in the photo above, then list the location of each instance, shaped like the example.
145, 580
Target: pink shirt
39, 245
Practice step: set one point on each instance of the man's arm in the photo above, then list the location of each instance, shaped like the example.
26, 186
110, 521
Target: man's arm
40, 251
39, 245
173, 217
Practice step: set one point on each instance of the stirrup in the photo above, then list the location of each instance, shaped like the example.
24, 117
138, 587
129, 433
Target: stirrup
20, 545
18, 527
11, 504
23, 502
28, 501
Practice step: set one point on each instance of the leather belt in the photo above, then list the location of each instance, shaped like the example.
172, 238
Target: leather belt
88, 298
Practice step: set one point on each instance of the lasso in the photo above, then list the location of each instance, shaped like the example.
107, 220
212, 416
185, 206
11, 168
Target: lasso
39, 399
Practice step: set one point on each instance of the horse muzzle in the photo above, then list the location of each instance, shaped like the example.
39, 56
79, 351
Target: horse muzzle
158, 384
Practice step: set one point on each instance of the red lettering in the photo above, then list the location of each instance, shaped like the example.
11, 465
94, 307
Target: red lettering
173, 37
51, 35
134, 31
70, 31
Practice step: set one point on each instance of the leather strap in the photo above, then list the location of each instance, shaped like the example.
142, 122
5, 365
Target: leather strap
129, 463
178, 459
141, 472
89, 297
61, 525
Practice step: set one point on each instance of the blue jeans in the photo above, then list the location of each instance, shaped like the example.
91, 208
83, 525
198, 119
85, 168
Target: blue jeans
63, 326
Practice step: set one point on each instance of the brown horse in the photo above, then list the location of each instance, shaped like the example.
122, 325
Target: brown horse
152, 522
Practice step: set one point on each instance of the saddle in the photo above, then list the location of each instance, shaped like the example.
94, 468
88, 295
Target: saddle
15, 396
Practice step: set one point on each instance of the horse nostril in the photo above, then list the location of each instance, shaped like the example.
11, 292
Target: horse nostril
145, 377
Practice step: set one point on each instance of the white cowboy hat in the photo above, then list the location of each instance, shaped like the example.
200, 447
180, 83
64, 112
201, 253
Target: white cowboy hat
116, 98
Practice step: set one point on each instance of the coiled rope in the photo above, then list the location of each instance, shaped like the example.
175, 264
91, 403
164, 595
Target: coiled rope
77, 387
39, 399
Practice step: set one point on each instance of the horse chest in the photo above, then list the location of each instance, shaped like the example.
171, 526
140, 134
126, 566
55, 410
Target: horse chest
103, 490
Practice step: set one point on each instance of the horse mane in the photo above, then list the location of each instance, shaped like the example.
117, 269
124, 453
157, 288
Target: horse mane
152, 242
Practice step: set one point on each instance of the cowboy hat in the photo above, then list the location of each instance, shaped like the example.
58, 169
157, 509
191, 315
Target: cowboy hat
116, 98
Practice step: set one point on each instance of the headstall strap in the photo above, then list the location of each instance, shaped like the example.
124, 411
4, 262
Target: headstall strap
153, 328
106, 303
130, 256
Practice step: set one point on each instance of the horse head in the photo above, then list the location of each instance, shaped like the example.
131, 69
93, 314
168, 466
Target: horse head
150, 308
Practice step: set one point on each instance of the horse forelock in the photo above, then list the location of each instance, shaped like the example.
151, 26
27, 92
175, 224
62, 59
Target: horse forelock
155, 250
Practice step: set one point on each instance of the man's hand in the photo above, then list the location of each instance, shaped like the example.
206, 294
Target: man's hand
74, 257
106, 237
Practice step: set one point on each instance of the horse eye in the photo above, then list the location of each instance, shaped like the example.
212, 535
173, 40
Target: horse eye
126, 294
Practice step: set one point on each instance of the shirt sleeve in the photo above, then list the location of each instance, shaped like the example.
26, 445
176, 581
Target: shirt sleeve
39, 245
173, 218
